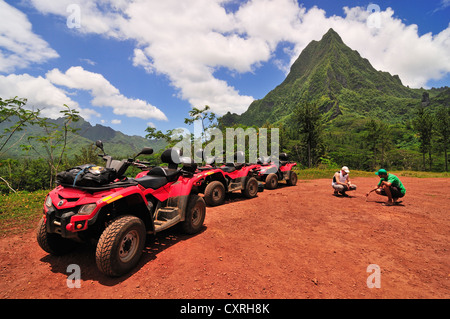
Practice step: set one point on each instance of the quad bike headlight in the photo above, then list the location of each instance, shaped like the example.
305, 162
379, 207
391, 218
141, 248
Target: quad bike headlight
48, 201
87, 209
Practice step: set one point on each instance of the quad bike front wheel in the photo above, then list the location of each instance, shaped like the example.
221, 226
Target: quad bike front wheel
214, 193
251, 188
292, 180
51, 243
271, 181
195, 215
120, 246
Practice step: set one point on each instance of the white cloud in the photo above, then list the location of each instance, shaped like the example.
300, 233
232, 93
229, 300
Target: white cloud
104, 93
188, 41
46, 94
116, 121
141, 60
41, 94
88, 61
98, 16
19, 46
443, 5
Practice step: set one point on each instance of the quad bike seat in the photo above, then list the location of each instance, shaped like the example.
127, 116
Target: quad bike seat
153, 182
158, 177
231, 167
228, 168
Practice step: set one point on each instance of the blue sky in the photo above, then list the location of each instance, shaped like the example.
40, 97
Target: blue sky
134, 64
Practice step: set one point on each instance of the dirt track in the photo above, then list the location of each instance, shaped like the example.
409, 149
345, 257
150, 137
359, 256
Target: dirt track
293, 242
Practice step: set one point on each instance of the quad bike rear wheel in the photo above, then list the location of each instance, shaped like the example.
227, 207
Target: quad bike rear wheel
195, 215
292, 180
120, 246
251, 188
214, 193
271, 181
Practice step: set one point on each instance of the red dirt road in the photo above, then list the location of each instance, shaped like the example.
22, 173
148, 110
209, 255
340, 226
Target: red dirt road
292, 242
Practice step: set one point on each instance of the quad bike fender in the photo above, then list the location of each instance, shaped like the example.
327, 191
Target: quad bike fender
161, 193
204, 178
181, 190
287, 167
72, 221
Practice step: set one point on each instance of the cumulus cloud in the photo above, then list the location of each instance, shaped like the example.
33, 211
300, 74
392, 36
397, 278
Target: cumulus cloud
188, 41
41, 94
19, 46
104, 93
50, 93
101, 17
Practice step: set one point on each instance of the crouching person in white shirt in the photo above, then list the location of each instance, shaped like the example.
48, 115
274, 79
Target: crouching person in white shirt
341, 182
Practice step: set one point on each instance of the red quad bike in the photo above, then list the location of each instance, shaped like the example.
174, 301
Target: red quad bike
269, 173
118, 215
216, 182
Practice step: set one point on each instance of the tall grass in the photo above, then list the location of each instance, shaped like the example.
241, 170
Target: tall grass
20, 211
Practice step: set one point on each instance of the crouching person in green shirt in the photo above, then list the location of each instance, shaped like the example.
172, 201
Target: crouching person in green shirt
390, 186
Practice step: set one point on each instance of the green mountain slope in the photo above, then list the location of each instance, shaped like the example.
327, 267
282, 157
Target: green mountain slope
339, 80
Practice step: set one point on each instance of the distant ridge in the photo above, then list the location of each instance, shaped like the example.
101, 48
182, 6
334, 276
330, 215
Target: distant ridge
116, 143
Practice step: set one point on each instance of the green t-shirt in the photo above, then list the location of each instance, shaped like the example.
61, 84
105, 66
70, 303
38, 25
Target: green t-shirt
395, 181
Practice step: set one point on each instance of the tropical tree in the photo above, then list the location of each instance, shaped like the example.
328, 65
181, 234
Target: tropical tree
423, 125
310, 122
206, 117
53, 142
442, 128
13, 111
378, 138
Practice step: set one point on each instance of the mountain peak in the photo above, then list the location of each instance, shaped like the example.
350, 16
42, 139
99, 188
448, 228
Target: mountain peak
327, 71
331, 35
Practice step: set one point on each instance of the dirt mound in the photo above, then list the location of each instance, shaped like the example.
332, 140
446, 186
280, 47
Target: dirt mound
292, 242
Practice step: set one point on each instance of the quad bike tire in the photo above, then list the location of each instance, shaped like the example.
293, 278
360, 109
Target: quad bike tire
251, 188
292, 180
120, 246
195, 215
271, 181
51, 243
214, 194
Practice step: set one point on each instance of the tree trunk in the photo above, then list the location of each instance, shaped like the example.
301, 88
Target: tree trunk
446, 159
309, 154
429, 156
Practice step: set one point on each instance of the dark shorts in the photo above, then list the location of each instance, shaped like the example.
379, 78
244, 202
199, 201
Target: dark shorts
395, 192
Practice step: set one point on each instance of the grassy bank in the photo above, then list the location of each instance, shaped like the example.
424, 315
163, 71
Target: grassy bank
20, 211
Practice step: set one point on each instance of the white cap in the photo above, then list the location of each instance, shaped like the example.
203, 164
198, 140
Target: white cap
345, 169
